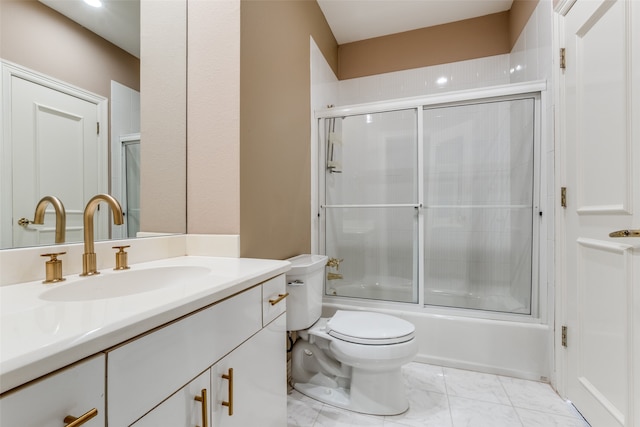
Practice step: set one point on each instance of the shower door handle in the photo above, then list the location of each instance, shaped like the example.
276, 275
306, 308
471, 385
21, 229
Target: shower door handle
625, 233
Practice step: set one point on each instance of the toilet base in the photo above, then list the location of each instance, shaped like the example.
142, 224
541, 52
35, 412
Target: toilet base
360, 398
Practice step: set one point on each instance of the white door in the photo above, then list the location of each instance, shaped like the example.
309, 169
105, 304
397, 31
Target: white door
56, 151
601, 279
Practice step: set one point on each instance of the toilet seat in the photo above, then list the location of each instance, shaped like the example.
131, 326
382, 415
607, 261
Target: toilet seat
369, 328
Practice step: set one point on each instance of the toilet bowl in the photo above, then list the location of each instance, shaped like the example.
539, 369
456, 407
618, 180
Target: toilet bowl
351, 360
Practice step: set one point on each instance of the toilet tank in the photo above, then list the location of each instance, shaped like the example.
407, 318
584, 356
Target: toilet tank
305, 283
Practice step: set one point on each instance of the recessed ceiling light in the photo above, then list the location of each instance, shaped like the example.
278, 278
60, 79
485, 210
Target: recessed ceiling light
94, 3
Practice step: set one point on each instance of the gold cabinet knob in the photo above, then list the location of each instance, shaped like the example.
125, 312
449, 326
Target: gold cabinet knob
121, 257
53, 268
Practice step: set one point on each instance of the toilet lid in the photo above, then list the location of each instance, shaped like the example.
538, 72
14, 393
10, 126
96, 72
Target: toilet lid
369, 328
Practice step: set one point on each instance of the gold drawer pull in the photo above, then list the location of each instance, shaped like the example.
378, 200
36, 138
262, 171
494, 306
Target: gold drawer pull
75, 422
280, 298
229, 404
203, 399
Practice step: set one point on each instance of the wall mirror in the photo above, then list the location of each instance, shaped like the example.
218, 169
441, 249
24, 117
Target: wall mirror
64, 64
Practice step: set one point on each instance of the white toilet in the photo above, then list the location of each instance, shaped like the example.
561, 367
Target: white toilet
351, 360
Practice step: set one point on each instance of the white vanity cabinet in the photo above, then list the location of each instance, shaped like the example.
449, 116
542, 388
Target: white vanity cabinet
189, 406
249, 386
146, 376
69, 393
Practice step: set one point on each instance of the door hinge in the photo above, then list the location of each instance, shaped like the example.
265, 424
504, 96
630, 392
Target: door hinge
564, 336
97, 128
563, 59
563, 197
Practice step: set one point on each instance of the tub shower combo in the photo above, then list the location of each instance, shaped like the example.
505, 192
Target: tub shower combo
430, 206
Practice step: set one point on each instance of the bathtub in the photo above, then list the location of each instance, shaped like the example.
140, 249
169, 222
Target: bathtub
516, 346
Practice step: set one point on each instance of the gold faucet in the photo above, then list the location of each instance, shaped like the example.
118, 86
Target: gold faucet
61, 216
334, 263
89, 256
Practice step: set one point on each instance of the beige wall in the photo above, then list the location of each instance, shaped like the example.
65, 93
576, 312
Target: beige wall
441, 44
275, 124
163, 116
249, 120
488, 35
214, 117
37, 37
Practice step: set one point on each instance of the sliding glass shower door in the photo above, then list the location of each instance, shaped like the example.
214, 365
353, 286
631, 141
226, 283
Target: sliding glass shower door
478, 205
433, 204
371, 193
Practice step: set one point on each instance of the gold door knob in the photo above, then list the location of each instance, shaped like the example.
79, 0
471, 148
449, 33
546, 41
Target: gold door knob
75, 422
625, 233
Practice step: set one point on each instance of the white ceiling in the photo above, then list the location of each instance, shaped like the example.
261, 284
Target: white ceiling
117, 20
350, 20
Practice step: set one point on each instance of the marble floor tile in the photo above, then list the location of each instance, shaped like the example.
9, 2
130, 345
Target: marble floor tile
335, 417
477, 413
475, 385
301, 410
447, 397
540, 419
419, 376
426, 409
536, 396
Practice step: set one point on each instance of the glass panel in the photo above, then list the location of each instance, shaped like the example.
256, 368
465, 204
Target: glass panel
478, 162
371, 159
378, 252
132, 187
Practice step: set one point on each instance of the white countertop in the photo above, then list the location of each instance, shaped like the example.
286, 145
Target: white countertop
38, 336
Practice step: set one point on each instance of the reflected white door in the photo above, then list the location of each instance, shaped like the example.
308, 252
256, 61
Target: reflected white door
55, 151
602, 166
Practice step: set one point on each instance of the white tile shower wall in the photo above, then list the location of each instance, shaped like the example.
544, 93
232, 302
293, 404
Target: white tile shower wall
474, 73
532, 58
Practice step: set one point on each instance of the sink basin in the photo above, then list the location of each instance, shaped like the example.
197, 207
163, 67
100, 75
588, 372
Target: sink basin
125, 283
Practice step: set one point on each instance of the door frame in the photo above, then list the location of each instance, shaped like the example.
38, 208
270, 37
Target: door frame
10, 70
560, 10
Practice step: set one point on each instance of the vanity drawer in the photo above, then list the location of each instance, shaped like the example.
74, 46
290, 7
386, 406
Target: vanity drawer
72, 391
274, 302
143, 372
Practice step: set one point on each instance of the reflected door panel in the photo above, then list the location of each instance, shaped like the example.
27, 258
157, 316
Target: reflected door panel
55, 151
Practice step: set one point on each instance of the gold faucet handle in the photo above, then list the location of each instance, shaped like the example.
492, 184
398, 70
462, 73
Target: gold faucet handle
334, 262
53, 268
121, 257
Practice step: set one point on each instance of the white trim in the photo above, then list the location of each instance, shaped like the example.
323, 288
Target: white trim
564, 6
10, 70
437, 99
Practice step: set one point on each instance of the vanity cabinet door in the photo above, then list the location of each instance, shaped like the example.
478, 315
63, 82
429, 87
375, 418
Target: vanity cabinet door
258, 382
183, 408
144, 372
72, 391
